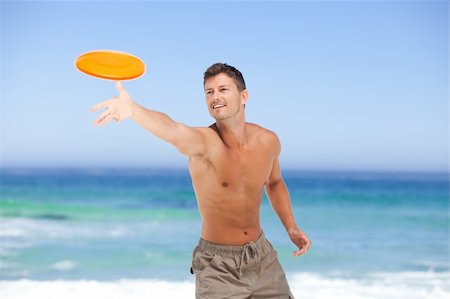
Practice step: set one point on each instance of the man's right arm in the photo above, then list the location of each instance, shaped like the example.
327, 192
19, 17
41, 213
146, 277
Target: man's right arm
189, 141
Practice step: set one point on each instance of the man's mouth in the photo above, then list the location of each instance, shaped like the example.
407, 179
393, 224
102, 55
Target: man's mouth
217, 106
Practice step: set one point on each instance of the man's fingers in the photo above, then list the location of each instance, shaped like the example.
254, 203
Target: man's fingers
299, 252
302, 250
116, 116
101, 105
112, 100
120, 88
95, 108
103, 118
103, 121
110, 104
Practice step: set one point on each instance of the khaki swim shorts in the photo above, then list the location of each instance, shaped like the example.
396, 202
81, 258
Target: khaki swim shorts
248, 271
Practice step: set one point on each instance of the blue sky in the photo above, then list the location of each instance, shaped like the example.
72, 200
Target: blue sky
345, 85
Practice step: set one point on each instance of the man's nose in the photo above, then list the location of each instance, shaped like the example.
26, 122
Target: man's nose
216, 96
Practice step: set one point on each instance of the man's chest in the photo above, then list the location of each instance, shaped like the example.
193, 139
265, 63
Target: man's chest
245, 170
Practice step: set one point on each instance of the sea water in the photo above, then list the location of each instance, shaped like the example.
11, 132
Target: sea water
129, 233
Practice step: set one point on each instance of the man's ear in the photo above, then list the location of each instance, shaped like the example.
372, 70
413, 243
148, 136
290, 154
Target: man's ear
244, 96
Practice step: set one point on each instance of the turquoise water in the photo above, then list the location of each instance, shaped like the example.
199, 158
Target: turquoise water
108, 224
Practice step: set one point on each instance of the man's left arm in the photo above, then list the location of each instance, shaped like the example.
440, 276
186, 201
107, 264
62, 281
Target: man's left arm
279, 198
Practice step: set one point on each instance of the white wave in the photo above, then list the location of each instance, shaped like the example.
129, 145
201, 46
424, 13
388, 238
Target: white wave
38, 229
119, 231
432, 264
401, 285
12, 232
4, 265
64, 265
130, 289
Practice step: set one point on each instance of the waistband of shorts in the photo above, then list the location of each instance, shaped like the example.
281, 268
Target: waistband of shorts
261, 244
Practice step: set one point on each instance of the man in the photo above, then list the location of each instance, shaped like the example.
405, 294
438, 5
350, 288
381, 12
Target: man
230, 163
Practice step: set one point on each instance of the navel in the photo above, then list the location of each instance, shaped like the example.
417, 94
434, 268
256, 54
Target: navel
245, 233
225, 184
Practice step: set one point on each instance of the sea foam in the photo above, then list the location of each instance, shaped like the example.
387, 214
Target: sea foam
411, 285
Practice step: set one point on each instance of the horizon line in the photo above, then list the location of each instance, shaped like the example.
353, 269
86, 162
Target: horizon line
178, 168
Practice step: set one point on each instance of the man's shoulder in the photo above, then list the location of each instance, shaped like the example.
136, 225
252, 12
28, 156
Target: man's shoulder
210, 133
265, 138
256, 131
206, 130
262, 132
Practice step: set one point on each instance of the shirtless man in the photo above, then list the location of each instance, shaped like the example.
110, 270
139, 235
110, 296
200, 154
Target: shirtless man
231, 162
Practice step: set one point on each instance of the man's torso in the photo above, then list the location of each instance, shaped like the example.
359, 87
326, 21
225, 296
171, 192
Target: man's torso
229, 183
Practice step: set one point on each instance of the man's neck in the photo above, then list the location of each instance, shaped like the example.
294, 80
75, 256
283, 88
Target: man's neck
232, 133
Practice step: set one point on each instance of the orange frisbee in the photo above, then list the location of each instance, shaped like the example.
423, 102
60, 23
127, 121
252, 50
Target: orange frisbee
110, 64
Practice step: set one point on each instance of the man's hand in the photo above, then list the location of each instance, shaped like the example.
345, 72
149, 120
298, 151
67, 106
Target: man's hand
117, 108
300, 239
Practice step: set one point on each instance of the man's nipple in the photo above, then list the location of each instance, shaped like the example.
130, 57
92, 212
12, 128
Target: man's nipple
225, 184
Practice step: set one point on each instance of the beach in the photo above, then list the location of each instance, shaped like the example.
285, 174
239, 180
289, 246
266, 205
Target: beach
129, 233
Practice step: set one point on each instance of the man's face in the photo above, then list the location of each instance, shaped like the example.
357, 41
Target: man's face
223, 98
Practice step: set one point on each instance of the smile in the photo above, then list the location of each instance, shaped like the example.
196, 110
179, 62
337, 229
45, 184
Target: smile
217, 106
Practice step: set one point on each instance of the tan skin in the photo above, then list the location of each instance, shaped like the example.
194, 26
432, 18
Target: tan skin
231, 162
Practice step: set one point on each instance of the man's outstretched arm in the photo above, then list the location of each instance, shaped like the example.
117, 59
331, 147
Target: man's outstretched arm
189, 141
279, 198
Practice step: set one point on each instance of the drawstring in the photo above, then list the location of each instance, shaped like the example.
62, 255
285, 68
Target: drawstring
249, 252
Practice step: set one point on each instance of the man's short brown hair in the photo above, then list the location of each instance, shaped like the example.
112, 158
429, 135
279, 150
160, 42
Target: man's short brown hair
232, 72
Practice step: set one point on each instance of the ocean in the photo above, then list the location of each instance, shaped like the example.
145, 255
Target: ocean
129, 233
